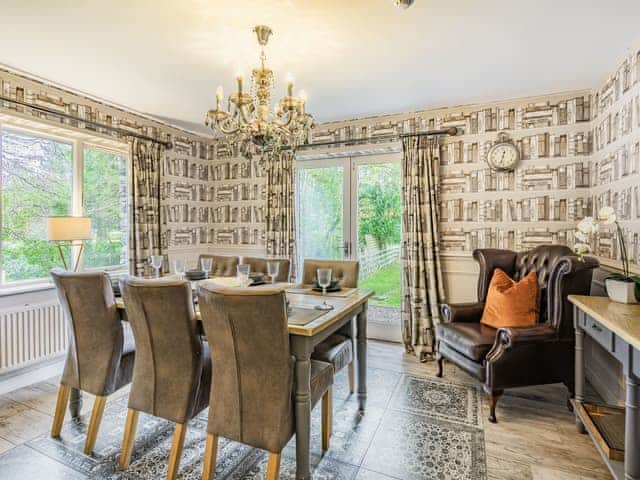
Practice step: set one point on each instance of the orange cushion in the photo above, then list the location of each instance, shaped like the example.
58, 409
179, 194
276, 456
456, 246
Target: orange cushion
510, 303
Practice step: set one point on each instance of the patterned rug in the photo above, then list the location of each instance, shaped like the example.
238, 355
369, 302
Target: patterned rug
413, 428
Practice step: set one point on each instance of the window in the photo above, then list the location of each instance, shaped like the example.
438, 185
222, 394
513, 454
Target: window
36, 183
105, 201
41, 176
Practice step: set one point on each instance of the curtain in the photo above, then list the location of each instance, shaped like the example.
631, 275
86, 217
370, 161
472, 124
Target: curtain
280, 209
144, 205
422, 282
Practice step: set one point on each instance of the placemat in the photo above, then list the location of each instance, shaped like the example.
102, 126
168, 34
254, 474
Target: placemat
345, 292
302, 316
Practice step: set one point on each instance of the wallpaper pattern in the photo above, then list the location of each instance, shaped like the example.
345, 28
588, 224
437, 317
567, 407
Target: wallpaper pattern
538, 203
186, 191
615, 178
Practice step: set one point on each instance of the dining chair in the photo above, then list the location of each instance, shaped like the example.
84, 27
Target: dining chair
101, 350
172, 373
337, 349
259, 264
252, 394
223, 266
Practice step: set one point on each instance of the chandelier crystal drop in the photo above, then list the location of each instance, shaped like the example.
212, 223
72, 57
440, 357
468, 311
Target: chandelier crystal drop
249, 119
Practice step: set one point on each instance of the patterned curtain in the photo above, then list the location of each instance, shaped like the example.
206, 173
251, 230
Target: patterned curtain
144, 204
422, 283
281, 209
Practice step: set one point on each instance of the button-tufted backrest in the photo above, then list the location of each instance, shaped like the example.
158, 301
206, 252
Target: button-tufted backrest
345, 271
560, 273
543, 260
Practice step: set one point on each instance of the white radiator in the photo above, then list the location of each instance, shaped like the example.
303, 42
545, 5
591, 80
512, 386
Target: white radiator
31, 333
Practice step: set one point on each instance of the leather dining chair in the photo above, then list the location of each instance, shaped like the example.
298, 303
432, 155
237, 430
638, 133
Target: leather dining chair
101, 350
258, 264
223, 266
172, 373
337, 349
252, 393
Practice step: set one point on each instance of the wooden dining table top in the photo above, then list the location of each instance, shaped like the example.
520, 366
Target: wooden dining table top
301, 296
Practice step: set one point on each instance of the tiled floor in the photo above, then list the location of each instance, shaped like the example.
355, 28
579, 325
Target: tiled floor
415, 427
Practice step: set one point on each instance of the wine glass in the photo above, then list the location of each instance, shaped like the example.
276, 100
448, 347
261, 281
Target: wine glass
179, 267
206, 264
156, 262
273, 268
243, 275
324, 280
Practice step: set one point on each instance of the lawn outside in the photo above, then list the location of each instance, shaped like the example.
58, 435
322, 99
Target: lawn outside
385, 283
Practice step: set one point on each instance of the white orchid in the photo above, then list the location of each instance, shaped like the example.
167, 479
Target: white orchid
588, 226
583, 237
607, 215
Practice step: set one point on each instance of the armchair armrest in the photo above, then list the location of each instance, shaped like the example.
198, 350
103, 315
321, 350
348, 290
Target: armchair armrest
462, 312
508, 337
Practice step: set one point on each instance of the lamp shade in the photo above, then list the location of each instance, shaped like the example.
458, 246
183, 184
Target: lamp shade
66, 229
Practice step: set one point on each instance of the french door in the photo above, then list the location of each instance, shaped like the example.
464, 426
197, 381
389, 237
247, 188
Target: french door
350, 208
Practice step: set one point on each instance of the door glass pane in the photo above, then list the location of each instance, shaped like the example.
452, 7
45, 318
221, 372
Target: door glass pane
105, 201
320, 196
36, 183
379, 221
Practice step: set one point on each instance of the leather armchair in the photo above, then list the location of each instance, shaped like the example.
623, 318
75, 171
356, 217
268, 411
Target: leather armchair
515, 357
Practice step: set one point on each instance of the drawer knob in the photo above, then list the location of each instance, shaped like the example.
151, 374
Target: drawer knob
596, 327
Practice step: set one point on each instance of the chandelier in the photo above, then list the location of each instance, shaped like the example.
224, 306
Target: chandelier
248, 118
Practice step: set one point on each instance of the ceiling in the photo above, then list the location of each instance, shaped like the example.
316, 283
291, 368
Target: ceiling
353, 57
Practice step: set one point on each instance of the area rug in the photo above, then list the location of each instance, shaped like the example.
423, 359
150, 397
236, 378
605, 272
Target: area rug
413, 428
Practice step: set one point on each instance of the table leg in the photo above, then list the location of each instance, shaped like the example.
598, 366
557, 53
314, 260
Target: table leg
579, 367
75, 402
632, 429
302, 352
361, 337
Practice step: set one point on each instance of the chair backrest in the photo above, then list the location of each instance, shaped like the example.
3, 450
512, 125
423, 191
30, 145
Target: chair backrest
95, 332
345, 271
260, 265
559, 272
251, 392
168, 364
223, 266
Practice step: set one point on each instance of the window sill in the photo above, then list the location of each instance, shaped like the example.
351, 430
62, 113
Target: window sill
7, 291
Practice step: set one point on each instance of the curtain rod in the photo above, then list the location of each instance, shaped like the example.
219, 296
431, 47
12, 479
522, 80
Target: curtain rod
66, 116
391, 137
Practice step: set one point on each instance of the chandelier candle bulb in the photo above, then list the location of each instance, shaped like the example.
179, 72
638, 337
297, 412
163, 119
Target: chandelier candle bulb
239, 79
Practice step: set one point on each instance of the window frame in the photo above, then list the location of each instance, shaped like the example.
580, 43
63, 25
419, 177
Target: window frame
79, 142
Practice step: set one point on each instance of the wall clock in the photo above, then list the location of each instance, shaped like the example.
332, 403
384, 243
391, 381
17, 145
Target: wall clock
504, 155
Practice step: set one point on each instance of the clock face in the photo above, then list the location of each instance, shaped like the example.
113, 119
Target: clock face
503, 156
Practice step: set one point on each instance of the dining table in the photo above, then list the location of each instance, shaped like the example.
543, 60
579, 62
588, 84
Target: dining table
307, 327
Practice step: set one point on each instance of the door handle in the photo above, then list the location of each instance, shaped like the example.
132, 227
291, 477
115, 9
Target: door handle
346, 249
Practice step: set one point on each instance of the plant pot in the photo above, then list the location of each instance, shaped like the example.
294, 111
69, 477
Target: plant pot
622, 292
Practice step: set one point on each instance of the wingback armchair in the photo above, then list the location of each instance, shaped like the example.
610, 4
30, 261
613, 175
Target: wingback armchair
515, 357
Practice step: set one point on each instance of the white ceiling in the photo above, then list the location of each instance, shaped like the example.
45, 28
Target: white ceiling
353, 57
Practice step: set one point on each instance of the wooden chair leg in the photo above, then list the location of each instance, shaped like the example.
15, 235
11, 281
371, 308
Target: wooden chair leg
327, 418
439, 361
209, 461
61, 407
273, 467
128, 439
493, 400
176, 450
352, 378
94, 423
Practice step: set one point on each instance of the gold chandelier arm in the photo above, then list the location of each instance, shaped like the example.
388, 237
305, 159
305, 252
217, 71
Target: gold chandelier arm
286, 123
227, 131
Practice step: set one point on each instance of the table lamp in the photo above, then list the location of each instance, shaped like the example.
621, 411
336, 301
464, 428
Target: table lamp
65, 230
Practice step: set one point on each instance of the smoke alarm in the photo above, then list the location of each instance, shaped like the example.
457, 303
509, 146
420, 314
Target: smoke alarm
404, 4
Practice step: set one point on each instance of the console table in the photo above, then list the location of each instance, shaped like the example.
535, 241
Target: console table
616, 327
